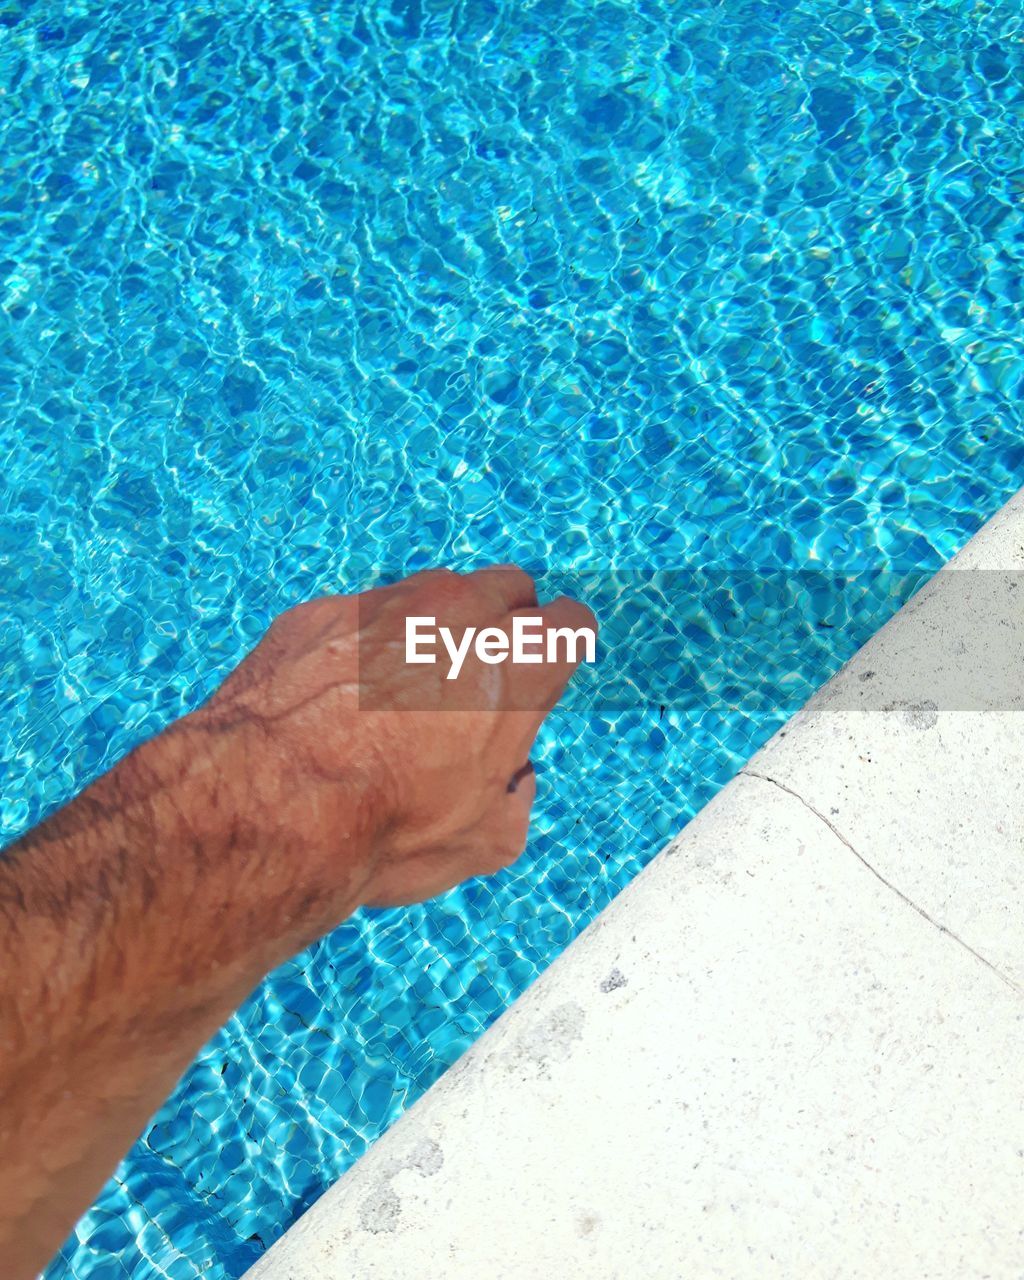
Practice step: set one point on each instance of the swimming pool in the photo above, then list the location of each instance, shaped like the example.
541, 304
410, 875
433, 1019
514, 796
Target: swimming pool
298, 298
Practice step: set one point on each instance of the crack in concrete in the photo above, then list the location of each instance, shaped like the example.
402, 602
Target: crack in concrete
937, 924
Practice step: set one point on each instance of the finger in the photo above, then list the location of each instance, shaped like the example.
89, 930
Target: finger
521, 774
568, 631
509, 586
474, 599
508, 836
534, 690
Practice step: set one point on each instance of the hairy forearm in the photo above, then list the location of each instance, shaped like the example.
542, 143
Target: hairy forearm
313, 781
133, 923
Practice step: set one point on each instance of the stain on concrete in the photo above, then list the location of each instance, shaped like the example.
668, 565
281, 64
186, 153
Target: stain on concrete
426, 1158
551, 1039
381, 1210
918, 715
921, 715
614, 980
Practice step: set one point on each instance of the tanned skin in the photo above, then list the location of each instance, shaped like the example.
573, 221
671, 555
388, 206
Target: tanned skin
324, 775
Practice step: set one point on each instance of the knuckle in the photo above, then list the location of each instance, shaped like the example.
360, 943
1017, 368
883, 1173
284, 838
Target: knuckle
447, 587
567, 611
524, 583
511, 586
432, 578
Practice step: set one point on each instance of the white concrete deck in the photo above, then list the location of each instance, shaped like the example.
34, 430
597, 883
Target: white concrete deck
794, 1045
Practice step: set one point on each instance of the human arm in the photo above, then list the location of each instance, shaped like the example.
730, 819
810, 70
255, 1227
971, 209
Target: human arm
324, 775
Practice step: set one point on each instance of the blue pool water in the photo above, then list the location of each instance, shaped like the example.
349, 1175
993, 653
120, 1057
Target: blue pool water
293, 297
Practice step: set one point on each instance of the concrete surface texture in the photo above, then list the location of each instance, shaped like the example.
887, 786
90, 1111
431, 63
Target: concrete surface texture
794, 1046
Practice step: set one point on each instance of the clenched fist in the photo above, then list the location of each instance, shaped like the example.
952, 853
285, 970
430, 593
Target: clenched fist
381, 778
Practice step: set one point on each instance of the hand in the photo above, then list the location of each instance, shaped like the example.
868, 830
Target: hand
377, 781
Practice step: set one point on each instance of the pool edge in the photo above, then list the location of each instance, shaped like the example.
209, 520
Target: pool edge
753, 1062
